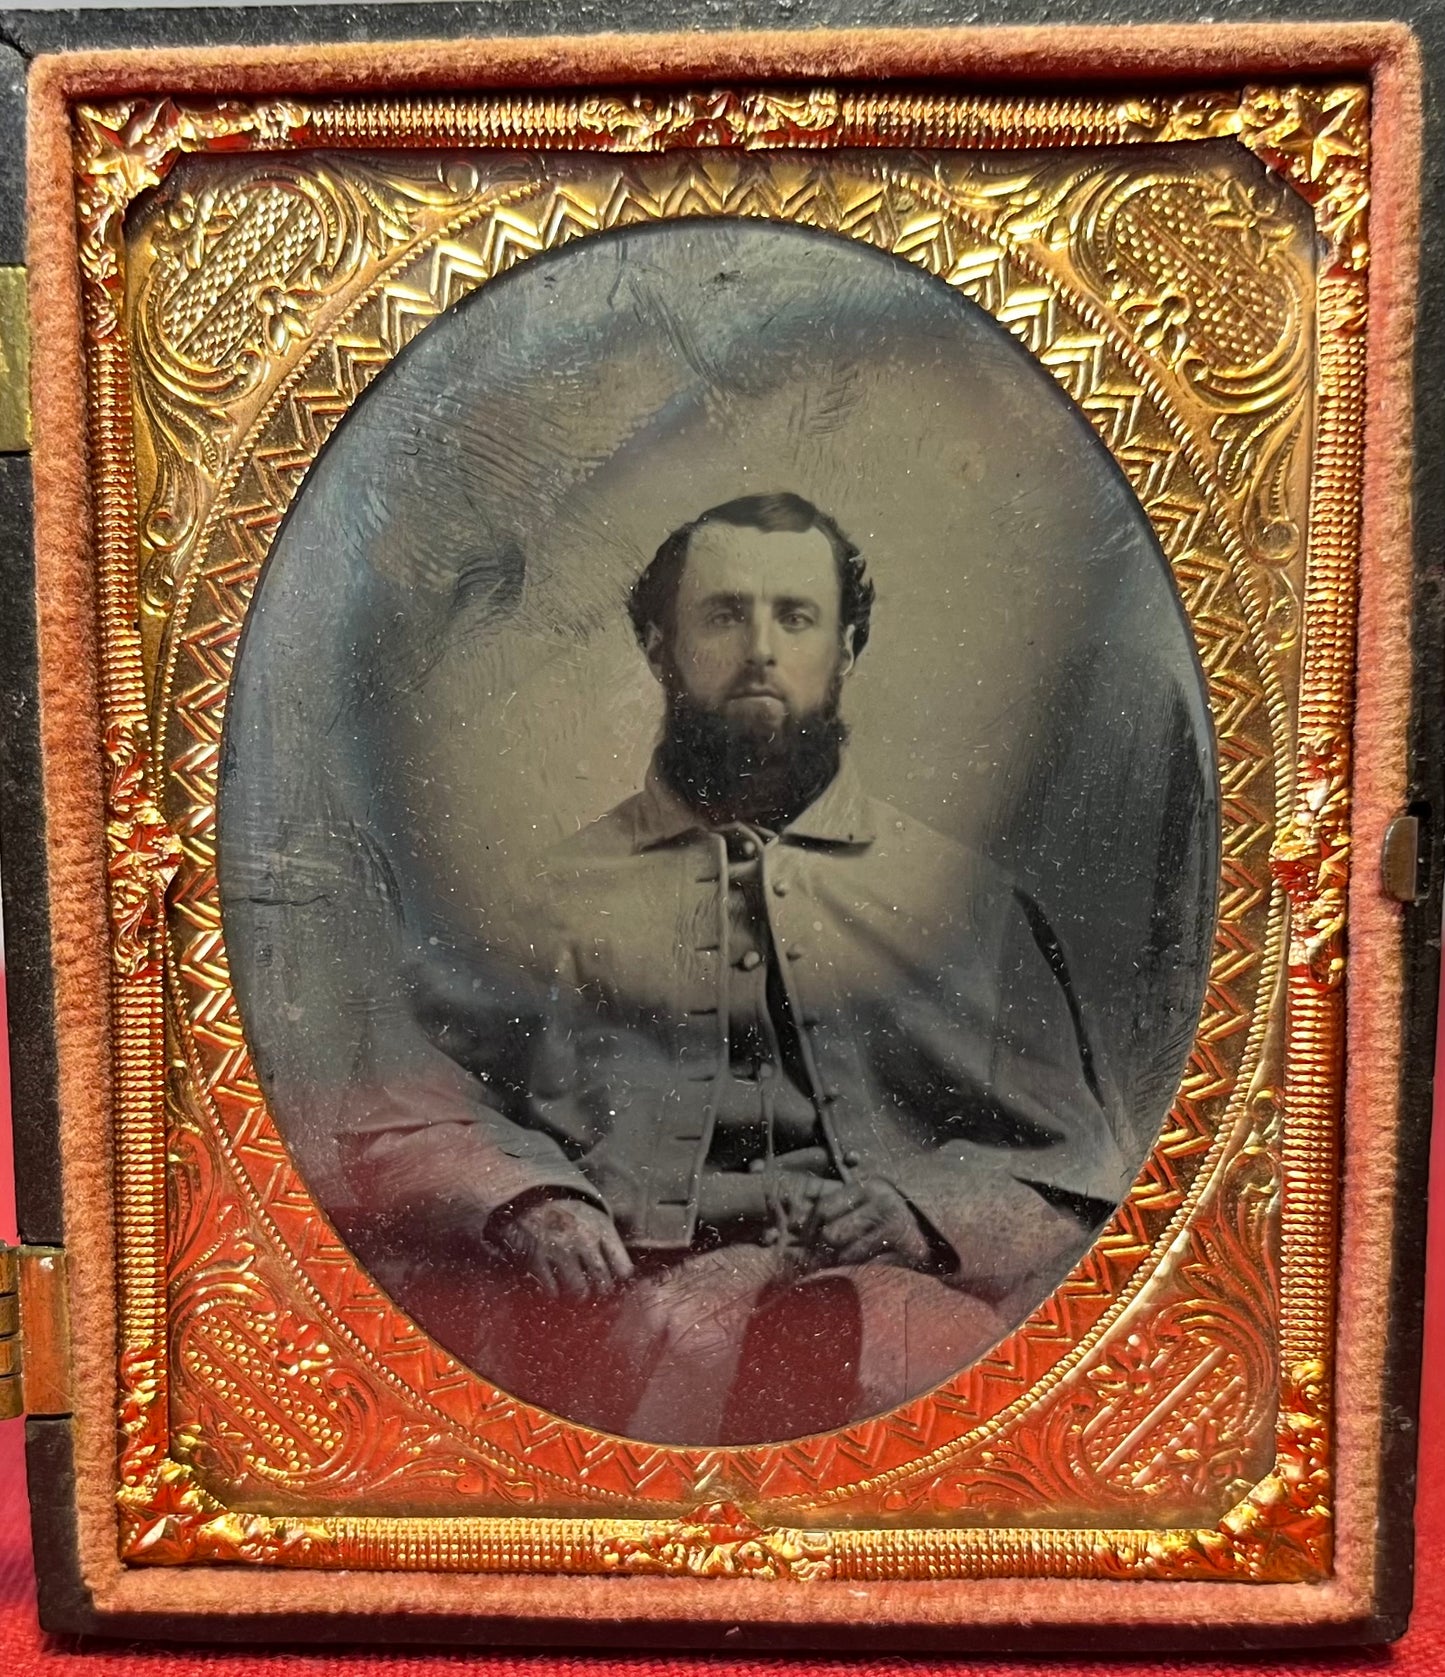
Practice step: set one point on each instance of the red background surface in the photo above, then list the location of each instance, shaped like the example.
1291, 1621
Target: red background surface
24, 1652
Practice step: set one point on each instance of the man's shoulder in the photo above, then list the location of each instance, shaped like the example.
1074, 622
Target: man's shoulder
604, 883
600, 844
609, 837
902, 837
929, 866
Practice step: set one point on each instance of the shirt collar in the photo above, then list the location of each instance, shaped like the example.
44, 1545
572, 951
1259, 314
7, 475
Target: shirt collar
838, 815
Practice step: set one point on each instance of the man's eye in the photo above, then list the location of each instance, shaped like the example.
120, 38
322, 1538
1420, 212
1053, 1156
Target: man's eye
797, 620
723, 616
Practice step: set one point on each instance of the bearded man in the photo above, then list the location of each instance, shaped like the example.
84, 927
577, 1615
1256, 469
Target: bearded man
781, 1109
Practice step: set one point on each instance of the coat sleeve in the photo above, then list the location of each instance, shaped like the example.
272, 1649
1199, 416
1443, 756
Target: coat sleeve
1027, 1148
472, 1104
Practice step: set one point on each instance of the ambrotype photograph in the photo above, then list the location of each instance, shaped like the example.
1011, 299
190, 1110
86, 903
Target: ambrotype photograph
718, 832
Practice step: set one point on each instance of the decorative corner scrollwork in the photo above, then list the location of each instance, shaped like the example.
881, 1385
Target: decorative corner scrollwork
126, 147
1284, 1527
1317, 137
240, 271
1281, 1531
168, 1518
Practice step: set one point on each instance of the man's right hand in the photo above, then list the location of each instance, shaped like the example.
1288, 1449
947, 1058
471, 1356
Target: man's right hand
795, 1182
568, 1245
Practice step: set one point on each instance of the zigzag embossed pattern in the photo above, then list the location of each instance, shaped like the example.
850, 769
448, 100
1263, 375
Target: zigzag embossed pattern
1087, 1408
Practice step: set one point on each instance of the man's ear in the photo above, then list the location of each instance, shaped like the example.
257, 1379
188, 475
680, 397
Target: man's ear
652, 649
849, 656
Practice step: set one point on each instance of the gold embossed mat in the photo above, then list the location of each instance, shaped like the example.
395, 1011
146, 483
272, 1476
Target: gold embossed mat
233, 318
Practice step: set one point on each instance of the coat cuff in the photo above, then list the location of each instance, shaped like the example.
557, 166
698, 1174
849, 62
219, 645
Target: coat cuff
452, 1175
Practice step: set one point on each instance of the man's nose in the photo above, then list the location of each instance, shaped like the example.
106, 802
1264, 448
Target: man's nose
760, 639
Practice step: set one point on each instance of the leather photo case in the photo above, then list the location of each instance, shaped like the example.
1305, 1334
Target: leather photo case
722, 765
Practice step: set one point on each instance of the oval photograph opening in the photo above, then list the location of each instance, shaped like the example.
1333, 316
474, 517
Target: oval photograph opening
719, 832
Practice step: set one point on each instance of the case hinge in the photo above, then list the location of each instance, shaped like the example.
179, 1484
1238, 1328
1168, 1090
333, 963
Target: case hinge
34, 1332
14, 363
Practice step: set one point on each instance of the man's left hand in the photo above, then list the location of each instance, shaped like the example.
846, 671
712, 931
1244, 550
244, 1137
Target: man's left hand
856, 1221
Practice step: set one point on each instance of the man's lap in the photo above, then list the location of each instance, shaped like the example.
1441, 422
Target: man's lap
738, 1344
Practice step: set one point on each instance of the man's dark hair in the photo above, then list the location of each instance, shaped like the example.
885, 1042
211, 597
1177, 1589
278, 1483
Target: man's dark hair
655, 591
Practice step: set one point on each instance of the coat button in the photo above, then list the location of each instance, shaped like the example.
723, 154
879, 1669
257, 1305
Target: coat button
795, 954
780, 887
751, 960
851, 1158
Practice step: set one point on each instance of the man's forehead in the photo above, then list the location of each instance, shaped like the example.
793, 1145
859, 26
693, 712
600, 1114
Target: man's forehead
738, 559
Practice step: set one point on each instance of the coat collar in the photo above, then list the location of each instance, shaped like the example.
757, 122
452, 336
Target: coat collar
840, 814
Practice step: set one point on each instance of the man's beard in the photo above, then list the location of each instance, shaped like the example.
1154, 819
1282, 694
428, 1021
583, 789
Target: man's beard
730, 771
